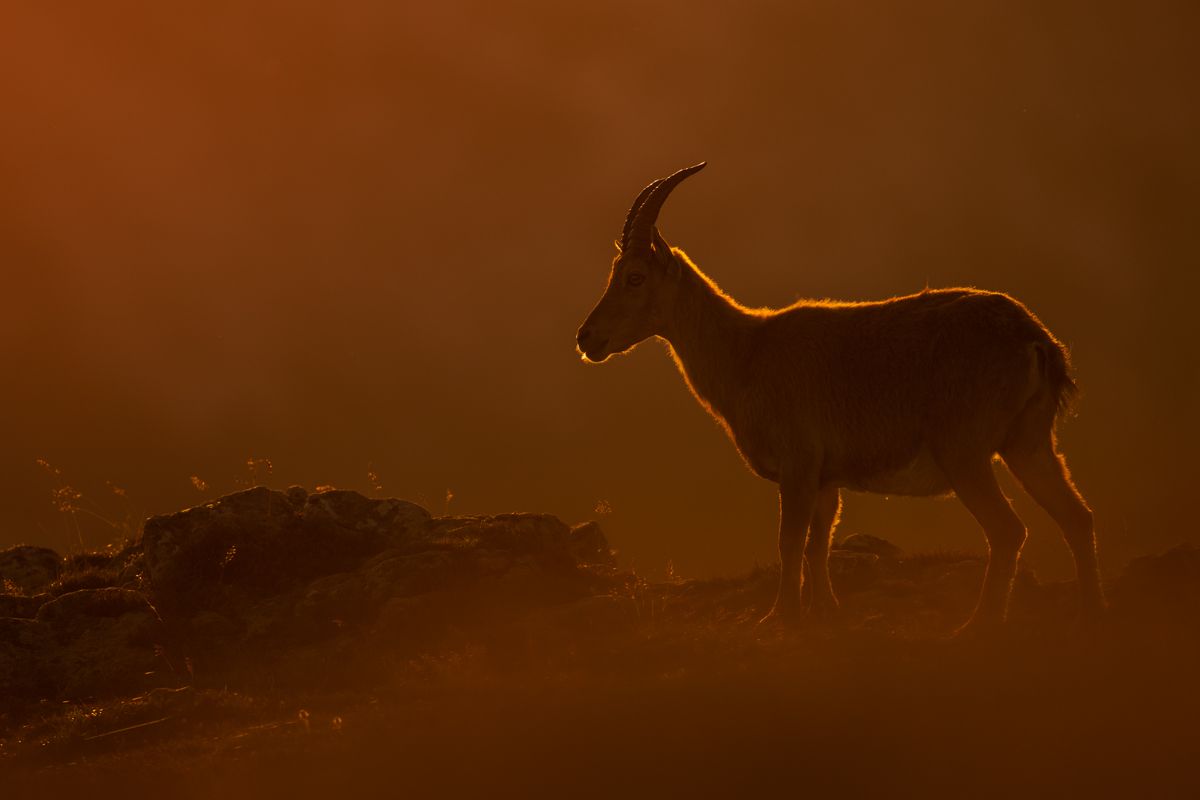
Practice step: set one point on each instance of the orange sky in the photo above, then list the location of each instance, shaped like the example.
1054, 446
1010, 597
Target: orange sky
365, 233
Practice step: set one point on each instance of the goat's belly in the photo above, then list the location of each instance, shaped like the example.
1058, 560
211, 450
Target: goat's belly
921, 477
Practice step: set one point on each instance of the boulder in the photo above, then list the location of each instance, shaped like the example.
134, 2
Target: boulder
487, 563
590, 546
208, 630
866, 543
75, 610
330, 602
23, 679
259, 543
85, 644
490, 560
29, 568
22, 606
103, 642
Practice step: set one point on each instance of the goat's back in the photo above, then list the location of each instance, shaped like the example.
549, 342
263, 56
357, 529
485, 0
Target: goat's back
881, 382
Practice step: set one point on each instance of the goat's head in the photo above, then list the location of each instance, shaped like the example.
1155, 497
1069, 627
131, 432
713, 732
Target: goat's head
643, 283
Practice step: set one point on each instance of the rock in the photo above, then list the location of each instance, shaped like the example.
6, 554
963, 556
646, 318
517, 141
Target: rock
133, 571
349, 597
404, 616
84, 612
853, 571
402, 575
590, 546
23, 643
23, 606
113, 656
88, 604
516, 534
81, 562
333, 601
866, 543
209, 628
270, 622
262, 566
258, 543
104, 641
1169, 581
490, 562
391, 517
29, 568
90, 643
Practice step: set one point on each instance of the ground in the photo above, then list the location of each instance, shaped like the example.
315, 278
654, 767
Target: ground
510, 656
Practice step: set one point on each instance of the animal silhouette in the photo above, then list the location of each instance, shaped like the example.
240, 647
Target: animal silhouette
914, 395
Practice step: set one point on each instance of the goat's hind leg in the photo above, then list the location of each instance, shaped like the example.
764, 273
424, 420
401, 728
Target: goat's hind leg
1043, 473
975, 484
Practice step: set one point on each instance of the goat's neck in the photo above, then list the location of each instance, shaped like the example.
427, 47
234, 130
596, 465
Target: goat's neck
707, 333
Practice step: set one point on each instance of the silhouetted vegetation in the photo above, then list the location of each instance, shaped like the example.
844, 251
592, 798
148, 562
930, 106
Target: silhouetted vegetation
305, 640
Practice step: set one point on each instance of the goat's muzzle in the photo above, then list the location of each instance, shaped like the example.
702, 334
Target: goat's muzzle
589, 345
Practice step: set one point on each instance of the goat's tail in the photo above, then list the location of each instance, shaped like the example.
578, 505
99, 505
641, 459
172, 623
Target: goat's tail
1054, 367
1051, 396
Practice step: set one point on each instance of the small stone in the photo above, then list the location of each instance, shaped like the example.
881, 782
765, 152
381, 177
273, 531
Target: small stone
866, 543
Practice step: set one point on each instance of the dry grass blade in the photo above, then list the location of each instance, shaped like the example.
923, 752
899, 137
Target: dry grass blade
126, 729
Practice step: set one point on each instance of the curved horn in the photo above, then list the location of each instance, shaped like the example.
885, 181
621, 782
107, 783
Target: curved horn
641, 231
633, 209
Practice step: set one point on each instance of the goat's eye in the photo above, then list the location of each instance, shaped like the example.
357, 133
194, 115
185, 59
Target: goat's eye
635, 279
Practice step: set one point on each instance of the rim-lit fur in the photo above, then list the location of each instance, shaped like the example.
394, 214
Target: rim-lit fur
914, 395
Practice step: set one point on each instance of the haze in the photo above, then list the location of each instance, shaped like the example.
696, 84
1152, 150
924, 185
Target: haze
361, 237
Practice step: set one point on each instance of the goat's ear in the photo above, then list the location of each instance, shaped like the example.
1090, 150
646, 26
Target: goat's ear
663, 254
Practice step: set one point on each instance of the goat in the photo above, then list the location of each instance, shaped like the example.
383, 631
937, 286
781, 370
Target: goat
914, 395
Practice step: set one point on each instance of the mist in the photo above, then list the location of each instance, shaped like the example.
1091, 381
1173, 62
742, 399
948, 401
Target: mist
359, 239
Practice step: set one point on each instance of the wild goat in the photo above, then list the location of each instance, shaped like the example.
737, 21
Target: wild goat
914, 395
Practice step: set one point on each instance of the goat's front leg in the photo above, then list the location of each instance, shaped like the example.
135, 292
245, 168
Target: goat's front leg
816, 551
797, 499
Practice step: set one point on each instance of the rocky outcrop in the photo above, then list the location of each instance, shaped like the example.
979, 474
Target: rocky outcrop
273, 583
261, 572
